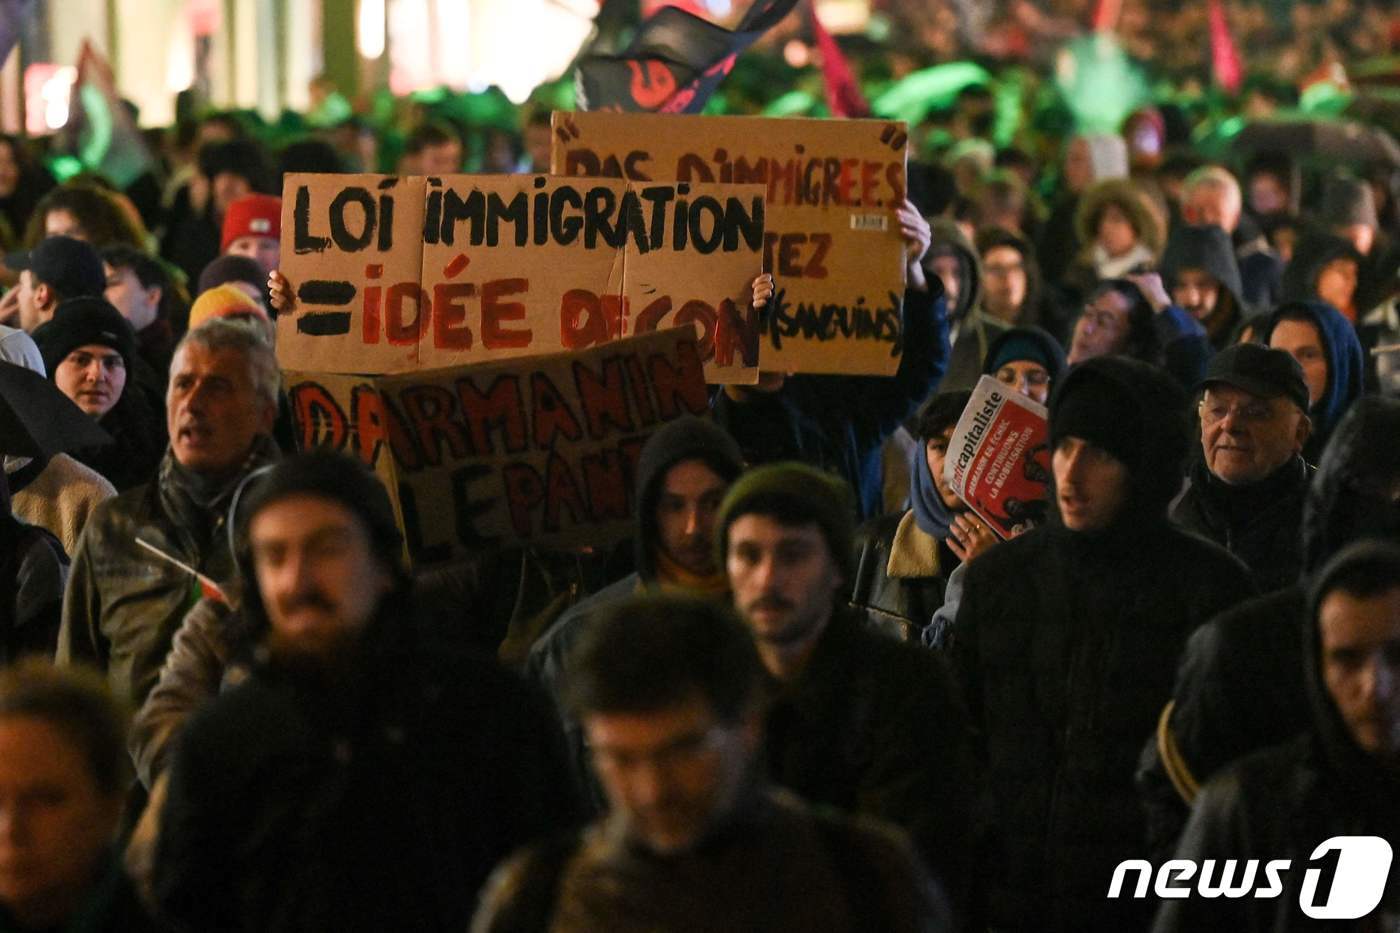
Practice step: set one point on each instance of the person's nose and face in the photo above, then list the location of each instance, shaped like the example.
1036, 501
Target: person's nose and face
671, 773
1197, 292
213, 409
317, 573
1027, 377
56, 823
1361, 666
1303, 341
1004, 272
137, 303
936, 453
1101, 329
264, 250
783, 577
685, 515
93, 376
1246, 438
1336, 283
1116, 234
1091, 484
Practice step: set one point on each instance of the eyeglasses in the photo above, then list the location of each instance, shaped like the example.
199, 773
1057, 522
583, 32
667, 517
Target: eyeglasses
1250, 413
1034, 377
1000, 270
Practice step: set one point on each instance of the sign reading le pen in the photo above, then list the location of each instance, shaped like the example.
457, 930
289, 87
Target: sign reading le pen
319, 292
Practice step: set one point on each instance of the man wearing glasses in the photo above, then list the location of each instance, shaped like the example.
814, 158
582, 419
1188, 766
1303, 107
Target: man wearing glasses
1246, 494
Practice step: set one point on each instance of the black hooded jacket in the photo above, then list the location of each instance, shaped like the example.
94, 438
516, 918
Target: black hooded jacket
1065, 643
685, 438
1238, 688
1208, 249
1284, 802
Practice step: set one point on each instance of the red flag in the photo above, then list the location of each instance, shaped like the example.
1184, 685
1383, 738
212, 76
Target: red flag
1106, 15
1224, 59
843, 96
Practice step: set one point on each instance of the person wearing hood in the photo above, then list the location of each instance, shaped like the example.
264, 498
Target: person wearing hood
1028, 360
1122, 234
971, 330
1339, 778
88, 350
1237, 689
1014, 289
683, 472
1246, 492
1211, 196
1065, 642
1089, 158
1325, 344
1325, 268
1202, 277
904, 558
1348, 211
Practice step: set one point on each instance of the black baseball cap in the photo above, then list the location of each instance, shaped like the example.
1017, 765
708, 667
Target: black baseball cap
68, 266
1258, 370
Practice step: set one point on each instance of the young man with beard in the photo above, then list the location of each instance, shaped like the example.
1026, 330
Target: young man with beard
366, 776
860, 721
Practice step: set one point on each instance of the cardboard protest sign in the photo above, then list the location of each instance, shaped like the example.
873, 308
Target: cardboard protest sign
831, 239
540, 449
397, 275
999, 458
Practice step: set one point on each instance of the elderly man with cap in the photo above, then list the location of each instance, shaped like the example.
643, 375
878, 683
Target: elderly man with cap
860, 721
1246, 494
253, 228
89, 351
124, 602
1065, 642
59, 268
367, 775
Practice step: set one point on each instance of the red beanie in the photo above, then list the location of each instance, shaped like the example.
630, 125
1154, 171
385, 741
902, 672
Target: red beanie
252, 215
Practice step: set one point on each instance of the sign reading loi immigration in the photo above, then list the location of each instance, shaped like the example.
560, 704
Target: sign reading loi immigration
540, 449
399, 274
831, 239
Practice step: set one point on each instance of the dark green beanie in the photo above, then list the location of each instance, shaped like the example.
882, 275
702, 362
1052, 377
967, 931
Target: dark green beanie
793, 494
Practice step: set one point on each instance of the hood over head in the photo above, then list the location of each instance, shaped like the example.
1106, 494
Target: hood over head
1137, 412
1366, 568
686, 438
1207, 248
1346, 362
1356, 491
947, 240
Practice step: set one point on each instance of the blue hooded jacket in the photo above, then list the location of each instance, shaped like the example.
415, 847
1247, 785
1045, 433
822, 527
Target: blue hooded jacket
1345, 368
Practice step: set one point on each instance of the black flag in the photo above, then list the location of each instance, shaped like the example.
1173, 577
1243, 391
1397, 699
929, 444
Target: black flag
674, 63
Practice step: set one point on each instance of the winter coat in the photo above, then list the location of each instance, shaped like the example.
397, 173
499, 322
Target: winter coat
1345, 369
1238, 689
839, 423
1261, 269
123, 603
58, 494
138, 442
901, 573
877, 728
1065, 643
774, 865
376, 800
1283, 803
110, 905
1258, 523
33, 570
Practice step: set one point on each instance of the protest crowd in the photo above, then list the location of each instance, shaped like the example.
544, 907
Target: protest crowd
1051, 584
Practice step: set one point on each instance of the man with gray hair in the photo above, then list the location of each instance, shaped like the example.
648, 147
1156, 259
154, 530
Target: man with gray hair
1211, 196
124, 602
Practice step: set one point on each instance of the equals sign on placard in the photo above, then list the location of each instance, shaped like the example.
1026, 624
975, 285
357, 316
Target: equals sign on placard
319, 293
